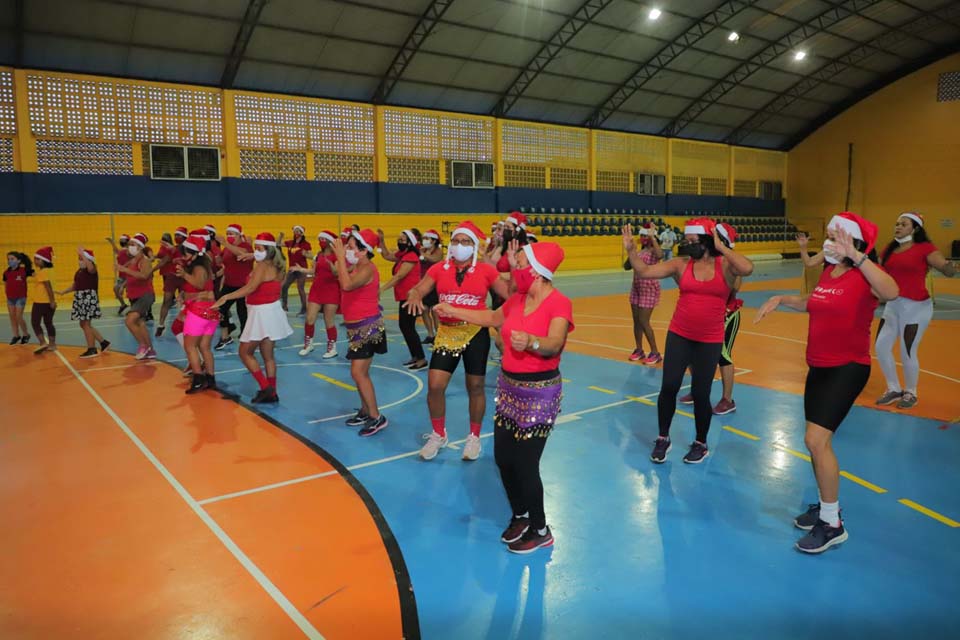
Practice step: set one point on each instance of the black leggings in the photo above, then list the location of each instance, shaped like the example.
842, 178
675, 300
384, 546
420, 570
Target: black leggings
701, 358
42, 312
225, 309
830, 393
408, 327
519, 464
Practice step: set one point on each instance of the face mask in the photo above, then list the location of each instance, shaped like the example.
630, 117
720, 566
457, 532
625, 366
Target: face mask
523, 278
695, 250
402, 246
351, 257
427, 244
461, 252
260, 256
507, 234
232, 239
908, 238
828, 252
133, 249
12, 263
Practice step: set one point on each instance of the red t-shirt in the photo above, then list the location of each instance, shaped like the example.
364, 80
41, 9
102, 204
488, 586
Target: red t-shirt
702, 306
170, 268
236, 272
409, 281
841, 310
363, 302
15, 283
295, 252
136, 287
536, 324
472, 294
123, 256
909, 270
326, 286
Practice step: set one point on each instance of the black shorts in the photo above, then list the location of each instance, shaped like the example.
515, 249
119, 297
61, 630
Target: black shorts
369, 349
730, 328
431, 299
474, 356
831, 391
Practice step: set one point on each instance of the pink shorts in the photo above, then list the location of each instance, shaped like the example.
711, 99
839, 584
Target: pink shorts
194, 325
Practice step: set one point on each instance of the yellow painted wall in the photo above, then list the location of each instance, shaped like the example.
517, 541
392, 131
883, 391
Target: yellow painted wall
906, 157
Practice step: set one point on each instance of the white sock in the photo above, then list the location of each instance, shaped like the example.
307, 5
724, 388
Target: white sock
542, 532
523, 515
830, 513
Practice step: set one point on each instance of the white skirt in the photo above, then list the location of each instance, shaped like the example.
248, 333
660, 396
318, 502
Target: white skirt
265, 321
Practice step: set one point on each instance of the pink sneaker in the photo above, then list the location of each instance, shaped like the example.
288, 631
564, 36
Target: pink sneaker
687, 399
150, 354
724, 407
637, 354
141, 353
653, 358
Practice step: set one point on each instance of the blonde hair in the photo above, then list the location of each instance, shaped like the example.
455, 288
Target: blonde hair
278, 261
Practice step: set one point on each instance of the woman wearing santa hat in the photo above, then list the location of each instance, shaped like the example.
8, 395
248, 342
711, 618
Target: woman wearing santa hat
167, 259
360, 305
139, 276
406, 275
430, 254
534, 322
298, 251
201, 319
44, 301
266, 320
644, 296
463, 283
86, 302
237, 259
120, 252
695, 336
841, 309
324, 296
907, 259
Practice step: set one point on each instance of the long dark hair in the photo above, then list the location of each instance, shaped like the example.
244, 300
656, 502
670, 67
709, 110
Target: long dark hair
919, 236
25, 262
414, 248
201, 261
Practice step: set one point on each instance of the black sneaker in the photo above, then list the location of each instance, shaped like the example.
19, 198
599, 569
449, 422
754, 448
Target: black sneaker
266, 396
660, 450
807, 520
531, 540
15, 340
211, 381
515, 530
358, 420
42, 348
409, 362
821, 537
104, 345
373, 426
24, 339
697, 454
417, 366
199, 384
158, 332
427, 340
223, 343
90, 353
123, 307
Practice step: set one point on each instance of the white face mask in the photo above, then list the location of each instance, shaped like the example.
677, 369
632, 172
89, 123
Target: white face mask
427, 244
260, 255
828, 252
133, 249
351, 256
908, 238
461, 252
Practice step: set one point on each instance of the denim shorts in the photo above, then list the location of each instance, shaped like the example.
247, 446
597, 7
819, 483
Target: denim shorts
17, 302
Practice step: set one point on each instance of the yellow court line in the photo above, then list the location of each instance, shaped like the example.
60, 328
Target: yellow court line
685, 414
601, 390
862, 482
748, 436
565, 380
802, 456
646, 401
343, 385
929, 512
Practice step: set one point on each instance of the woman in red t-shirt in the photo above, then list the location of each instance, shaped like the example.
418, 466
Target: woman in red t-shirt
406, 275
695, 336
19, 268
138, 273
534, 323
462, 282
298, 252
324, 296
907, 259
841, 309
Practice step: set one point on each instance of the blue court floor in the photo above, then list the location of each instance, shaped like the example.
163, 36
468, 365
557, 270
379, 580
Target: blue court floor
642, 550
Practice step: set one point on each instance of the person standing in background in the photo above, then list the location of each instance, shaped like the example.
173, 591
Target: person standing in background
44, 301
19, 268
238, 261
298, 252
667, 241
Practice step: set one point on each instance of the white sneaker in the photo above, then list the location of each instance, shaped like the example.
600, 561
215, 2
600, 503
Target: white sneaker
433, 446
307, 348
331, 350
471, 448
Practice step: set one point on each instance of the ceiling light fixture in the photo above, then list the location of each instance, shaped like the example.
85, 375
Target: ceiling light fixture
654, 13
799, 55
733, 37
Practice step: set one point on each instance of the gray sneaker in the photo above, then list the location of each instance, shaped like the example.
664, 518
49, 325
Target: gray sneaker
907, 401
889, 398
809, 519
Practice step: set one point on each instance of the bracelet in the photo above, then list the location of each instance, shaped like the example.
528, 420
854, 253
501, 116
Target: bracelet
862, 260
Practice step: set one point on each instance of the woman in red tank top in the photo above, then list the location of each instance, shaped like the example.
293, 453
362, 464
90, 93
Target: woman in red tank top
138, 272
201, 319
324, 296
359, 303
841, 309
695, 337
266, 319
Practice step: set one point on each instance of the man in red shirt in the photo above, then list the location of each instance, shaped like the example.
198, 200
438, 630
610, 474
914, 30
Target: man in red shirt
237, 264
298, 252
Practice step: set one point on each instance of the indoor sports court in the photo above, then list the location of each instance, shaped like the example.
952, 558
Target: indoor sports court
158, 157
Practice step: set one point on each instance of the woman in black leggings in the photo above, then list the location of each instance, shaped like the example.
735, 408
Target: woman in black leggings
406, 275
695, 338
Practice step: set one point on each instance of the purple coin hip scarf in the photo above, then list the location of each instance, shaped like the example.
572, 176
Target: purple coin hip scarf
528, 409
363, 332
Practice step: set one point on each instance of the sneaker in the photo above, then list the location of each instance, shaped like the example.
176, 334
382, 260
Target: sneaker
307, 348
653, 358
158, 332
908, 401
15, 340
223, 343
358, 420
42, 348
660, 450
266, 396
408, 362
471, 448
418, 365
515, 530
141, 353
331, 350
24, 339
637, 354
809, 518
821, 537
302, 312
531, 540
697, 454
889, 398
150, 354
104, 346
123, 307
198, 384
90, 353
211, 382
427, 340
724, 407
687, 399
373, 426
435, 442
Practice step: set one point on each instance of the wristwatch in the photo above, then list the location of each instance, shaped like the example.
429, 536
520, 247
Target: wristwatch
535, 346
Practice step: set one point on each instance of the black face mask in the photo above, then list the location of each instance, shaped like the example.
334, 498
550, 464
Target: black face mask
402, 246
694, 250
507, 235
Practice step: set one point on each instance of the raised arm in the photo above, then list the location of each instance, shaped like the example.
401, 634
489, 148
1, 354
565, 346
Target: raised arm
808, 260
735, 265
388, 255
350, 280
884, 287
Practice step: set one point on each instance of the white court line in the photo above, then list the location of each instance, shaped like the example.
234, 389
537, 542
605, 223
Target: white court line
134, 364
258, 575
267, 487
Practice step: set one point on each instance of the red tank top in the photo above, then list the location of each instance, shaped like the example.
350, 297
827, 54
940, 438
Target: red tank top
137, 287
189, 288
363, 302
909, 270
702, 306
266, 293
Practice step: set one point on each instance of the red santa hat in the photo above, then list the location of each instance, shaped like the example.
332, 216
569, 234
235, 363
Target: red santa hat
346, 232
410, 236
544, 257
181, 231
473, 232
235, 228
432, 233
326, 236
212, 230
299, 228
196, 242
124, 237
266, 238
517, 219
366, 238
858, 227
45, 254
728, 233
700, 227
140, 239
916, 217
88, 254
